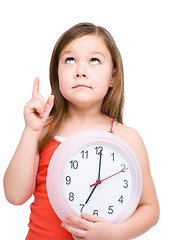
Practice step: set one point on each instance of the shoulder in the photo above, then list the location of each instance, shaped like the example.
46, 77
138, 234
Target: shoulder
135, 142
127, 133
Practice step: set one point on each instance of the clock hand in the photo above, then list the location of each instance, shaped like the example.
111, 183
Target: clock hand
91, 193
100, 164
100, 181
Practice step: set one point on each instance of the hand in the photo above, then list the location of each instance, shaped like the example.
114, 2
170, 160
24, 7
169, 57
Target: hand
90, 227
36, 111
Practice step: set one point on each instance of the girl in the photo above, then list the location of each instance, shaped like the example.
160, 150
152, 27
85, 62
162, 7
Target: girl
86, 77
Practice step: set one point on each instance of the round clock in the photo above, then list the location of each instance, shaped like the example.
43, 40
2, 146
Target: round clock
94, 172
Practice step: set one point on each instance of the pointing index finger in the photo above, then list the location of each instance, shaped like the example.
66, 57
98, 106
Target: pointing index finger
35, 90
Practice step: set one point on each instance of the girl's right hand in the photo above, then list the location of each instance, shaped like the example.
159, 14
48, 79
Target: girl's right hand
36, 111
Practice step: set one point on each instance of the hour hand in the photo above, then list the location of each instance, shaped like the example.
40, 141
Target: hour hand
91, 193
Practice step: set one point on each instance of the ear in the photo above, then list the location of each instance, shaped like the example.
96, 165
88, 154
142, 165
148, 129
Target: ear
112, 78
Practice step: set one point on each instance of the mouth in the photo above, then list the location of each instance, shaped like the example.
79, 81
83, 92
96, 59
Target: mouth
81, 86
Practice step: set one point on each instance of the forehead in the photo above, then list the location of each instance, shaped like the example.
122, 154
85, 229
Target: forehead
87, 43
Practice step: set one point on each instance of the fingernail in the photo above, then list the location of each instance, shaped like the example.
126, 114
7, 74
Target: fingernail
67, 217
83, 214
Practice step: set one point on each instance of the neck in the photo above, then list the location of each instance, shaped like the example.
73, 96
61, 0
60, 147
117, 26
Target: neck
78, 119
83, 114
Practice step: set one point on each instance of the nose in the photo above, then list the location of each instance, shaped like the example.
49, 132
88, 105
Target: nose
81, 72
78, 75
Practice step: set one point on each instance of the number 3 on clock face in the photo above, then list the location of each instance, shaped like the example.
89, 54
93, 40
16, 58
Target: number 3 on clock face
94, 172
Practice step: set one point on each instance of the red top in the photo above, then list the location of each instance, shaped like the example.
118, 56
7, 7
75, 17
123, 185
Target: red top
44, 223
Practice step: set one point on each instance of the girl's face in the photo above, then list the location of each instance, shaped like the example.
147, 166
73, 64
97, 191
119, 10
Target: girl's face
85, 71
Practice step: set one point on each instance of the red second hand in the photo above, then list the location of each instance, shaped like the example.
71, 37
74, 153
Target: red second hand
100, 181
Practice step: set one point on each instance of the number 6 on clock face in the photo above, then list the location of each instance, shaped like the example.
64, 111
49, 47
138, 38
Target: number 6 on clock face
94, 172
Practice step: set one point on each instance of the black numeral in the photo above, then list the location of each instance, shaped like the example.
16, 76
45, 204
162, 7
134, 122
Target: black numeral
125, 184
96, 212
74, 164
123, 167
68, 180
113, 156
71, 196
82, 206
120, 199
99, 150
85, 154
110, 210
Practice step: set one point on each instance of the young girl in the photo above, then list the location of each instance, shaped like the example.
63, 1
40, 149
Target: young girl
86, 77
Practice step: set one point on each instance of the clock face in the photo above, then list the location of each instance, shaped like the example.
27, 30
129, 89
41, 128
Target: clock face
94, 172
82, 189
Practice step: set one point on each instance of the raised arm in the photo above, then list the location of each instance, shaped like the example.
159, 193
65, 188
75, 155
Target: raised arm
20, 176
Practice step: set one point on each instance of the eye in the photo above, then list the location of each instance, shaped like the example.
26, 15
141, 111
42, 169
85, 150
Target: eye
94, 61
70, 60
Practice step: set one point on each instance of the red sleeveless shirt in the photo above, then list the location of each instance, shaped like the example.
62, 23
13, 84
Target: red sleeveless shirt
44, 223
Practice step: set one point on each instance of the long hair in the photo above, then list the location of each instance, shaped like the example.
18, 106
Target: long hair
113, 102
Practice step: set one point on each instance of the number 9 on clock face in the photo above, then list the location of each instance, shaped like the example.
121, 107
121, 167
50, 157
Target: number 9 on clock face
94, 172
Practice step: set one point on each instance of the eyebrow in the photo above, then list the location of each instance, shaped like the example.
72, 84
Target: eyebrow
97, 52
66, 52
92, 52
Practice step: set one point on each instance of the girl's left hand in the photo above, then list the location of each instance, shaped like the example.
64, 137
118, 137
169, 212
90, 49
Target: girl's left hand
91, 227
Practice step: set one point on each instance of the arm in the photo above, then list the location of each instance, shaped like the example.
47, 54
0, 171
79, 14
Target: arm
146, 214
20, 176
19, 179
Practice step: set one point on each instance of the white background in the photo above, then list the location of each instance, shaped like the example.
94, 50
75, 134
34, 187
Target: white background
143, 33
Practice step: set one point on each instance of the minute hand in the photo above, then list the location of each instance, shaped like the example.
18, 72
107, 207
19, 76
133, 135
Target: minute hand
100, 165
100, 181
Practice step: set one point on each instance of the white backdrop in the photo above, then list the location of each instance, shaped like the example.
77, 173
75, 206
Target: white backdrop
143, 33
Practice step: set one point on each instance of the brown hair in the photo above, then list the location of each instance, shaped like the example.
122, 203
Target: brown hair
114, 100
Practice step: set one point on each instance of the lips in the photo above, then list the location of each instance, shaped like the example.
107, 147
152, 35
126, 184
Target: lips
81, 86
